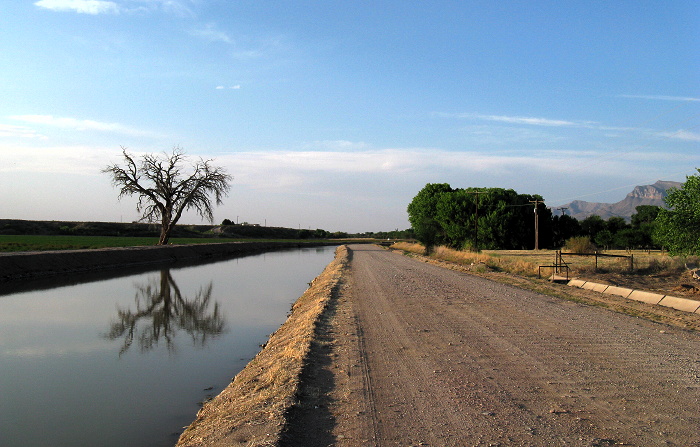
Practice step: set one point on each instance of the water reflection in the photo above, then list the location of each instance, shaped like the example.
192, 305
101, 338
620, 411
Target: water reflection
162, 311
62, 383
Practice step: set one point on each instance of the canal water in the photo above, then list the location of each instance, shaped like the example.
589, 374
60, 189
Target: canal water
128, 360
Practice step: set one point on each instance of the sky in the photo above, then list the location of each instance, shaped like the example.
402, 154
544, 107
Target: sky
334, 114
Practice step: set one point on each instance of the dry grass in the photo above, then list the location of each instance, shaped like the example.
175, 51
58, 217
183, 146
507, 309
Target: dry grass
527, 262
478, 262
251, 410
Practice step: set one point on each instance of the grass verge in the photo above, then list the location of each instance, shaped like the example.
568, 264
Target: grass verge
12, 243
519, 269
251, 410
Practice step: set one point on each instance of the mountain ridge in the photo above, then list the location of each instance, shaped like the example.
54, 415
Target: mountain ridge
641, 195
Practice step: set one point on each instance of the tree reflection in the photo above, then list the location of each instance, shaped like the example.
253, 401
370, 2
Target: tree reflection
161, 312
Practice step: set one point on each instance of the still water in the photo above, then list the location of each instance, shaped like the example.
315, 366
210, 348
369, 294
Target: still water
127, 360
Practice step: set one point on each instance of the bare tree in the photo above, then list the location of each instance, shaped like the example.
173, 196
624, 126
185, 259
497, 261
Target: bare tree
164, 188
162, 311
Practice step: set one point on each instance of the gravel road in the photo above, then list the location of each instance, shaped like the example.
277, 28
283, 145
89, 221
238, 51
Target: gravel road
414, 354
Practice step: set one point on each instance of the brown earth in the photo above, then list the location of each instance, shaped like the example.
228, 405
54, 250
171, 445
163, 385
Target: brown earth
680, 284
252, 410
410, 354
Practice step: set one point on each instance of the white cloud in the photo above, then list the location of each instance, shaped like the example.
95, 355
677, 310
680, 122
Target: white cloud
338, 145
84, 160
7, 130
79, 125
660, 97
682, 135
177, 7
233, 87
93, 7
211, 33
534, 121
279, 170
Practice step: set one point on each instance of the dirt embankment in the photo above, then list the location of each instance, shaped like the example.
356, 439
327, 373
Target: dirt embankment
304, 387
420, 355
26, 265
252, 410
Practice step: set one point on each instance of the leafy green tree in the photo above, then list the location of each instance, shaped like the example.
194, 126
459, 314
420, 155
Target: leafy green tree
604, 238
422, 213
629, 238
644, 223
615, 224
321, 234
502, 218
592, 225
646, 214
455, 213
564, 228
678, 228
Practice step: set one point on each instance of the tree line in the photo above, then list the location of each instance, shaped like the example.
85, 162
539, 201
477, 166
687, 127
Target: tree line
497, 218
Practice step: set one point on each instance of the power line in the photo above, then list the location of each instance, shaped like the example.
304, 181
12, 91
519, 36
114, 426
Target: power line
537, 223
476, 218
637, 148
643, 182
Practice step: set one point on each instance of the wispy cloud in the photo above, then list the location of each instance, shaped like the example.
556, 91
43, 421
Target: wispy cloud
660, 97
532, 121
8, 130
79, 125
93, 7
682, 135
300, 168
83, 160
211, 33
178, 7
233, 87
338, 145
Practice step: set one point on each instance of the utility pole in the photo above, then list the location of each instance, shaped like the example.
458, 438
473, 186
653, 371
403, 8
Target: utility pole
476, 219
537, 223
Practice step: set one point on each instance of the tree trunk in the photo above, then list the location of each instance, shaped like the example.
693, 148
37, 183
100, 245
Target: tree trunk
165, 229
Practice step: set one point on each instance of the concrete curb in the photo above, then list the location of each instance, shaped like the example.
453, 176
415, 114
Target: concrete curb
577, 283
30, 265
646, 297
621, 291
594, 287
682, 304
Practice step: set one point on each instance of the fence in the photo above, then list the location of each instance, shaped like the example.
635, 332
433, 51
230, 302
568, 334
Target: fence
560, 265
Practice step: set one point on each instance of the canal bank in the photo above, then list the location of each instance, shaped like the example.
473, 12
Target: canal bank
29, 265
251, 410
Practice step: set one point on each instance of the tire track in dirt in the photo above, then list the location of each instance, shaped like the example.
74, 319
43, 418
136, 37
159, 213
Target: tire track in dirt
423, 355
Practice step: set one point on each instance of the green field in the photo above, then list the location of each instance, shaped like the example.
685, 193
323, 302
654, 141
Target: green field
42, 243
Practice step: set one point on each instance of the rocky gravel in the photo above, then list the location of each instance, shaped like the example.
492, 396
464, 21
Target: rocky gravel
414, 354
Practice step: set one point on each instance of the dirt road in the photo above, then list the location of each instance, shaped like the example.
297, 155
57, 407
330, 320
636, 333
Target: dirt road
414, 354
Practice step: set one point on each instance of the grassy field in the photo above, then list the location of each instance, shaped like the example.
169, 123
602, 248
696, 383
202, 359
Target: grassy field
11, 243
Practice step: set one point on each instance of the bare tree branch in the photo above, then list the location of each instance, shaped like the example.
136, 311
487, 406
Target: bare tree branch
163, 189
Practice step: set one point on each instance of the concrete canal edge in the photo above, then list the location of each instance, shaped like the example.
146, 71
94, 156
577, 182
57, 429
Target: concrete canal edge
30, 265
682, 304
251, 410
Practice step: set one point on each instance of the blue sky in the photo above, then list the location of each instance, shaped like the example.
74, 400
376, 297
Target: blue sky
335, 114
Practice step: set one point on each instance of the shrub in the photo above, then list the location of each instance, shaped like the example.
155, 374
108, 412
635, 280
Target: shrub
579, 244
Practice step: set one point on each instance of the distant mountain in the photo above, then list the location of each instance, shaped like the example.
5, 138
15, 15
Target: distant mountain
641, 195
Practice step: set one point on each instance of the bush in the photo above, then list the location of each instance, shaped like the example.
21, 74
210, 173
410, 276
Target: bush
579, 244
